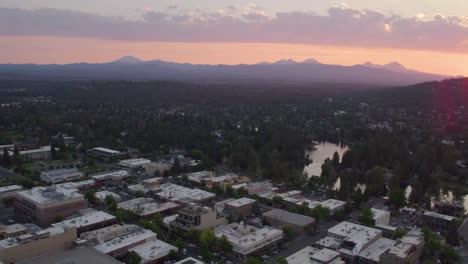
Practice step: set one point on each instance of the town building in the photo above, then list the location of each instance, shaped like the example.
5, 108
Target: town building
280, 218
134, 163
88, 220
80, 185
14, 230
247, 240
190, 260
312, 255
104, 153
74, 255
240, 208
154, 251
177, 193
253, 188
380, 217
9, 191
334, 206
61, 175
33, 244
160, 167
373, 253
44, 205
152, 182
116, 240
437, 221
101, 196
450, 208
199, 176
110, 176
32, 155
349, 239
147, 207
195, 217
408, 249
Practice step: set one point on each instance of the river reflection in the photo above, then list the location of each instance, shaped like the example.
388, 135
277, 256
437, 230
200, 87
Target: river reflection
318, 156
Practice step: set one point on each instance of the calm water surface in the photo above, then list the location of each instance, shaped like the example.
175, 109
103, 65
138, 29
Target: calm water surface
318, 156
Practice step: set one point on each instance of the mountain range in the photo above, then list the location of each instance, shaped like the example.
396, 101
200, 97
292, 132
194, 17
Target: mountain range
286, 70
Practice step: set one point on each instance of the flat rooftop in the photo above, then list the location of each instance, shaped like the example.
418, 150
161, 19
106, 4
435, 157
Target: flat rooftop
146, 206
246, 236
134, 162
190, 260
116, 237
72, 256
110, 151
379, 247
32, 151
91, 217
44, 195
354, 232
116, 175
333, 204
10, 188
312, 255
440, 216
101, 195
154, 250
77, 185
293, 218
175, 192
240, 202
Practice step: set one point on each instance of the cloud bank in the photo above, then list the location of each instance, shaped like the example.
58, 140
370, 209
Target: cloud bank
341, 26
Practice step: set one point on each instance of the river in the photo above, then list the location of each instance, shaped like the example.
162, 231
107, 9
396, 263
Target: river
318, 156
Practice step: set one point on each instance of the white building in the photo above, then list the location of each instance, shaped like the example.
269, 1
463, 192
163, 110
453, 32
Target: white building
154, 251
9, 191
101, 196
61, 175
247, 239
117, 175
104, 153
333, 205
312, 255
177, 193
190, 260
87, 220
349, 239
134, 163
380, 217
116, 240
147, 207
373, 253
31, 155
81, 185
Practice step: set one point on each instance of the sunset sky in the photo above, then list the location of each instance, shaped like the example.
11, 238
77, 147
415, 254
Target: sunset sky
427, 35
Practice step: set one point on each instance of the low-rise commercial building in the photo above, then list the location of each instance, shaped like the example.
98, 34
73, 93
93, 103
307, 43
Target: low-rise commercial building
349, 239
373, 253
312, 255
61, 175
104, 153
298, 223
160, 167
102, 195
177, 193
437, 221
14, 230
242, 207
134, 163
9, 191
247, 240
32, 155
88, 220
75, 255
33, 244
408, 249
116, 240
195, 217
334, 206
80, 185
147, 207
253, 188
154, 251
380, 217
44, 205
110, 176
190, 260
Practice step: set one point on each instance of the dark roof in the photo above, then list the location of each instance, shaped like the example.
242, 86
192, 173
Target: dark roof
76, 255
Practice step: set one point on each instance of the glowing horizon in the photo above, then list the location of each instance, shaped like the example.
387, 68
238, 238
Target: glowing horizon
59, 50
